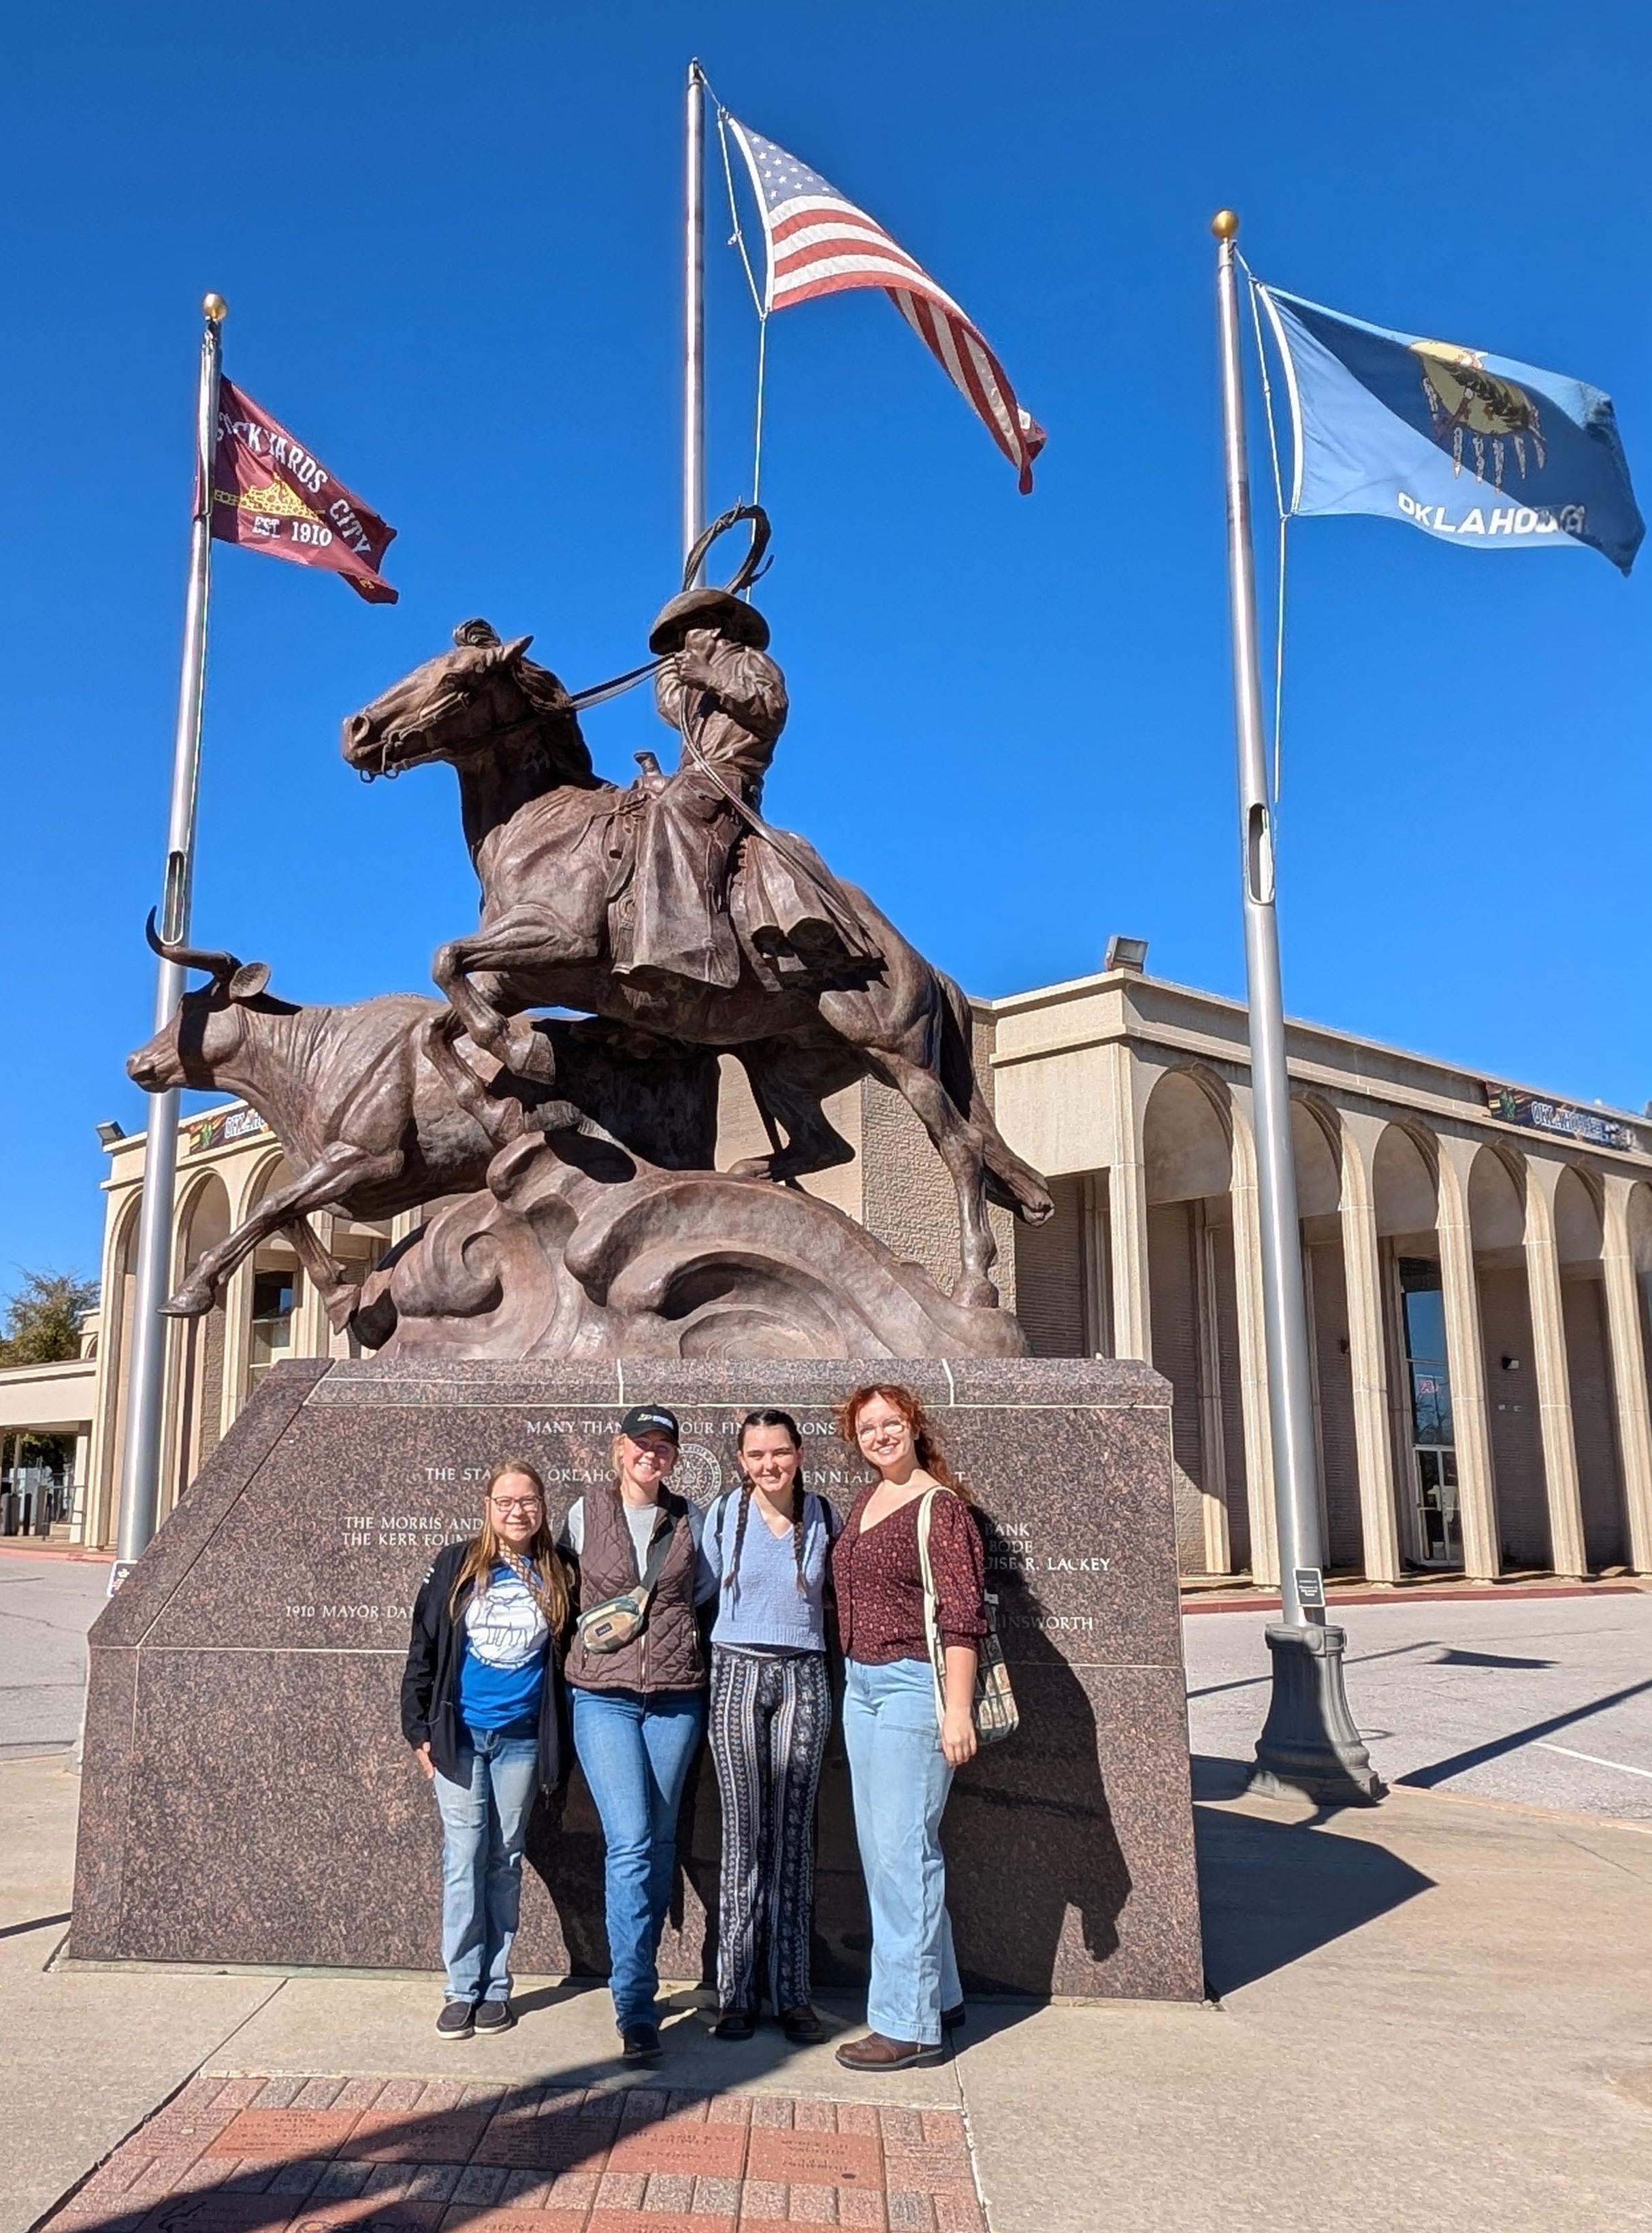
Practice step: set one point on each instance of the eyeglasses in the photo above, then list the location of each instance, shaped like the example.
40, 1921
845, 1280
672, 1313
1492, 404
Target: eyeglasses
516, 1503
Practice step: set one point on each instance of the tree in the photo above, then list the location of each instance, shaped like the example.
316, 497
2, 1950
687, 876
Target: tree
43, 1318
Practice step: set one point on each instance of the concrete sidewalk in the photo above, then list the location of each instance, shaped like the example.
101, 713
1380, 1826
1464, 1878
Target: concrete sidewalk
1434, 2012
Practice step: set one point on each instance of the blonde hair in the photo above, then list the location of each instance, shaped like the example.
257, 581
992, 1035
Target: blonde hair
542, 1568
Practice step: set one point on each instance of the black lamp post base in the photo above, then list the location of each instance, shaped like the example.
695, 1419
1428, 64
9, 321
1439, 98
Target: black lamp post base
1309, 1744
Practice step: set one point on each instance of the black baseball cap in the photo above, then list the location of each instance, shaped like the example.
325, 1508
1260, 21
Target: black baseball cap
650, 1419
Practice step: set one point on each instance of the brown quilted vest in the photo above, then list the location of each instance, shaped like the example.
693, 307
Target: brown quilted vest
668, 1655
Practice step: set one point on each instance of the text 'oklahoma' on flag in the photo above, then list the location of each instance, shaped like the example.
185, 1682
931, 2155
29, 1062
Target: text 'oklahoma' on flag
819, 244
1473, 448
270, 493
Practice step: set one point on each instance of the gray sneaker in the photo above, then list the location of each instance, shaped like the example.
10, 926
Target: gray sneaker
456, 2020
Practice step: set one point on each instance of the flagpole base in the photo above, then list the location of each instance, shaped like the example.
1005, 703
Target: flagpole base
1309, 1744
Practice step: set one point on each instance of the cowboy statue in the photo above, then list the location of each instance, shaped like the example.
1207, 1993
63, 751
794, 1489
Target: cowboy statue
705, 867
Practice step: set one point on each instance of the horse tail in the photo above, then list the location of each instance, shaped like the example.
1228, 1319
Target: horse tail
1010, 1183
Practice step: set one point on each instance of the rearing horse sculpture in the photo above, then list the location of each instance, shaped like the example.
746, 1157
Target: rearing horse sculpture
543, 830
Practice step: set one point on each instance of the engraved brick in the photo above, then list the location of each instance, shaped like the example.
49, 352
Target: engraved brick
470, 2218
282, 2133
943, 2127
446, 2135
909, 2213
695, 2151
816, 2158
958, 2213
901, 2127
481, 2184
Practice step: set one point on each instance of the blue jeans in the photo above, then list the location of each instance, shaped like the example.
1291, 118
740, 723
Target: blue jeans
901, 1780
636, 1751
484, 1826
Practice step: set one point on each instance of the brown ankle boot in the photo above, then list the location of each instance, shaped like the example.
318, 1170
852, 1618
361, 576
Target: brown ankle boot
876, 2053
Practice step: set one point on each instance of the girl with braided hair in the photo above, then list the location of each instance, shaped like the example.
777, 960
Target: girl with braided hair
769, 1542
482, 1706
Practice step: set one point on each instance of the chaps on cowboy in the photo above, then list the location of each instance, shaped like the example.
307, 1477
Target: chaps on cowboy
705, 869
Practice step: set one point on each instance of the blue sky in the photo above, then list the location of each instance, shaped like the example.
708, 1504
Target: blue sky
449, 243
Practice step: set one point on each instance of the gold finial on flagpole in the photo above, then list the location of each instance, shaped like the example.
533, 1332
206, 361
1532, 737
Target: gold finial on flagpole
1225, 224
215, 308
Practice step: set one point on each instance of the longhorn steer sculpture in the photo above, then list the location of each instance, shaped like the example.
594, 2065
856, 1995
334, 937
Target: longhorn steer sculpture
367, 1120
372, 1126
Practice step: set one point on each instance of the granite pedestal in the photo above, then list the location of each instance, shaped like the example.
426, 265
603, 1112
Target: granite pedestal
248, 1798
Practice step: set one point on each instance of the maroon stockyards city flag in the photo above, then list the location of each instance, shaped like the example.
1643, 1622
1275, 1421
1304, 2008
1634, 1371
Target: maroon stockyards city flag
268, 493
819, 244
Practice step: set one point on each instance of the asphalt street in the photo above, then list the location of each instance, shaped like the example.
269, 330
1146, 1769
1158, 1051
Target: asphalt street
46, 1606
1544, 1701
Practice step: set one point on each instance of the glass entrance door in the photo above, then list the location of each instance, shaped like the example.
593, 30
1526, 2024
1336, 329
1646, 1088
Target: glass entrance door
1433, 1455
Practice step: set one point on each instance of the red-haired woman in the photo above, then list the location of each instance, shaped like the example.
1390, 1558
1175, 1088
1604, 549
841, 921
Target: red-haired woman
902, 1748
480, 1706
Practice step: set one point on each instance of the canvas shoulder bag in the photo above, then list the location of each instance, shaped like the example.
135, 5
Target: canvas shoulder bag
996, 1714
620, 1620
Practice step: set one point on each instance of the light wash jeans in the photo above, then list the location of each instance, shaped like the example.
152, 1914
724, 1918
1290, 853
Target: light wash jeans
484, 1826
901, 1782
636, 1751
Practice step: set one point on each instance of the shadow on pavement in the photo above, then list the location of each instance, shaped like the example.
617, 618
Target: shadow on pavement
1272, 1891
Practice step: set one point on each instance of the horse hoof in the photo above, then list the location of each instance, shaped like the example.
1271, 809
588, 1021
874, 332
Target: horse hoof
190, 1302
529, 1055
754, 1167
977, 1294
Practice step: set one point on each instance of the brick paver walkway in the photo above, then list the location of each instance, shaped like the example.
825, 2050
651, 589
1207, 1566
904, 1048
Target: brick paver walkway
256, 2155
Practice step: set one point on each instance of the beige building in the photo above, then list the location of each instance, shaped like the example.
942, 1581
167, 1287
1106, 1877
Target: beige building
1478, 1264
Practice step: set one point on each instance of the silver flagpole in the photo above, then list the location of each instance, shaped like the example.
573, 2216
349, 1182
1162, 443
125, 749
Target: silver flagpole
694, 315
146, 1386
1310, 1742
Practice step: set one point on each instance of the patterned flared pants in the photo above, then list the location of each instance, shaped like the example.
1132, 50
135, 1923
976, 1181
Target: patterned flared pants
771, 1715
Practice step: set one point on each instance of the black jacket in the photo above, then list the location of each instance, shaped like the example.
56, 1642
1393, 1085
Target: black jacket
429, 1681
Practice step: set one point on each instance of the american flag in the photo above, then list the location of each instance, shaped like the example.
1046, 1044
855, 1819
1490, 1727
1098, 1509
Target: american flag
819, 244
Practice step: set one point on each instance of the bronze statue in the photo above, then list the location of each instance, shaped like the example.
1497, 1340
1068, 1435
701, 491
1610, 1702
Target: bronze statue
669, 916
370, 1125
547, 836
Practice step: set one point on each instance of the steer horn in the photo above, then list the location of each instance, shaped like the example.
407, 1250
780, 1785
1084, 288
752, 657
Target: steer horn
190, 957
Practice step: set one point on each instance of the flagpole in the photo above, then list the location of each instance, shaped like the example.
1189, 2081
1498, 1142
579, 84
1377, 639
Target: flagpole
1310, 1742
694, 315
145, 1383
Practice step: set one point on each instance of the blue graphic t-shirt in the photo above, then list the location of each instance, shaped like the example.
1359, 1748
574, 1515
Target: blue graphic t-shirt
502, 1654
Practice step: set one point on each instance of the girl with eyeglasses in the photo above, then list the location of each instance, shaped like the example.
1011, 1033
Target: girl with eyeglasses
481, 1708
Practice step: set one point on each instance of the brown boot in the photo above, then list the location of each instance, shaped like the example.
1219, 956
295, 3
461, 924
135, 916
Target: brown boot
876, 2053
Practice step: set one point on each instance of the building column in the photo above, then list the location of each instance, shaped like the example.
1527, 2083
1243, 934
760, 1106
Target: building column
1368, 1366
1252, 1354
1628, 1344
80, 1504
1212, 1457
1552, 1370
1466, 1363
1126, 1201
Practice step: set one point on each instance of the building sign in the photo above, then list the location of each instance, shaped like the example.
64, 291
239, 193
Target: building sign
223, 1126
1515, 1107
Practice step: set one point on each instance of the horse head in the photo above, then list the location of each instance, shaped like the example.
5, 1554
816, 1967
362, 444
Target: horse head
462, 705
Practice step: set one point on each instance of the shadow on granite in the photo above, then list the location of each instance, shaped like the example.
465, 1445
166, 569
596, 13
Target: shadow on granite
248, 1798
